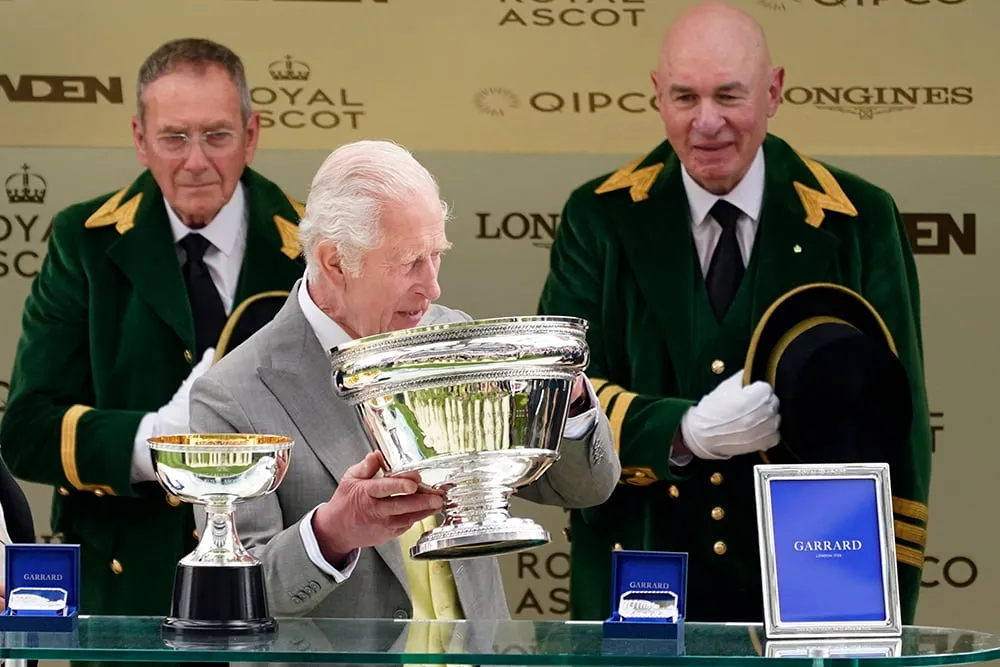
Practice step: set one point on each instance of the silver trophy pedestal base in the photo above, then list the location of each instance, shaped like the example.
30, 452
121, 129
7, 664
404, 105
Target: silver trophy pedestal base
477, 539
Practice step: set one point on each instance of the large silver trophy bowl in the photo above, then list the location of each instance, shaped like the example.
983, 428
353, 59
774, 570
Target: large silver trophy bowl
478, 408
219, 587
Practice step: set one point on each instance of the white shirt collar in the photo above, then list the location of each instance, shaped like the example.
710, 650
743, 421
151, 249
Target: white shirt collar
327, 331
224, 229
748, 194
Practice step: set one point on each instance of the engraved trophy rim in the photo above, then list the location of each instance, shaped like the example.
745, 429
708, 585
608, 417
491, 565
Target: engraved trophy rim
341, 353
441, 355
214, 442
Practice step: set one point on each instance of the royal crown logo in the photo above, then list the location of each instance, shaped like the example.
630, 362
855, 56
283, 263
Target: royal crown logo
289, 70
25, 187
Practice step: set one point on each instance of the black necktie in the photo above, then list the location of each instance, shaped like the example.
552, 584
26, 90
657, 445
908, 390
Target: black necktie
206, 304
726, 269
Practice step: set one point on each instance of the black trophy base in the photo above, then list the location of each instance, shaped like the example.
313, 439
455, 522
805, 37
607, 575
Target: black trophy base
219, 600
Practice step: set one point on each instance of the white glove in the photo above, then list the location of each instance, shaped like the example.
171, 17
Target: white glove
732, 420
172, 418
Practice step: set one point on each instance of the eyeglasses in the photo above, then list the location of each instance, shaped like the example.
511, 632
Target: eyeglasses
216, 142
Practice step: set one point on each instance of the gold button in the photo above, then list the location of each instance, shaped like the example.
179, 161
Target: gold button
618, 546
718, 367
63, 491
674, 491
195, 533
716, 478
567, 535
173, 500
188, 357
796, 248
116, 567
719, 547
718, 513
99, 493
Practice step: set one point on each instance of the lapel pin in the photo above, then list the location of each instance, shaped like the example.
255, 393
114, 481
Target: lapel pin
797, 249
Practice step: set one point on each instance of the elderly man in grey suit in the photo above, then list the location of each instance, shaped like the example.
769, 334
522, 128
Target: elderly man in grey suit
332, 538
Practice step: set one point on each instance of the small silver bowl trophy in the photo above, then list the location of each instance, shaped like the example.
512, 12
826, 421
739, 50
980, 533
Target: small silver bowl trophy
478, 408
219, 587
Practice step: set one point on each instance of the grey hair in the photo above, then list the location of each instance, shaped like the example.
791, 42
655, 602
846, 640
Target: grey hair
196, 53
349, 193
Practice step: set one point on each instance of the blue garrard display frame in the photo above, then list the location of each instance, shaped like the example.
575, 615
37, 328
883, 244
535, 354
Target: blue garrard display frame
845, 584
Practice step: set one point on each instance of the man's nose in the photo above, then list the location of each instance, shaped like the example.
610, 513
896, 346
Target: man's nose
709, 120
196, 160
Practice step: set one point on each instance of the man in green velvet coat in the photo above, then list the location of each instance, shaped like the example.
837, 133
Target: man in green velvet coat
128, 309
642, 254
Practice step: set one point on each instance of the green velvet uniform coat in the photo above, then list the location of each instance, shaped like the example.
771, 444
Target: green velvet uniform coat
624, 259
107, 336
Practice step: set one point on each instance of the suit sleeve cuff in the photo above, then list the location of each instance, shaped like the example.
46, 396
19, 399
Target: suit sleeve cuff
316, 556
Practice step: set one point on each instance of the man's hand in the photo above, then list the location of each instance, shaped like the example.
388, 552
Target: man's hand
732, 420
366, 510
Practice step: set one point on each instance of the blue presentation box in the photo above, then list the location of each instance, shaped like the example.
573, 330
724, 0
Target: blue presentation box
646, 583
42, 588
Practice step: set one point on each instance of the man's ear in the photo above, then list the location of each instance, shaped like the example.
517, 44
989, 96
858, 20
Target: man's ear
139, 140
330, 263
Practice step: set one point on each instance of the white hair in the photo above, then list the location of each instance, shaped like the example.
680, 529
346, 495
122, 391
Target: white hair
349, 192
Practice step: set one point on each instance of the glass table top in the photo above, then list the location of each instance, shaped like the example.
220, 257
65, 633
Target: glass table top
388, 641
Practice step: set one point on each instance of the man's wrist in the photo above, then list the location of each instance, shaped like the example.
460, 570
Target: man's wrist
334, 554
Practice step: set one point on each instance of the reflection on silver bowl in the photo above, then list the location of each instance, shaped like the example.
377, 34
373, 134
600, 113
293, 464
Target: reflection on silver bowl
218, 471
478, 408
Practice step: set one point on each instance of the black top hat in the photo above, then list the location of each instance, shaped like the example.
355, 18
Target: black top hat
247, 318
844, 396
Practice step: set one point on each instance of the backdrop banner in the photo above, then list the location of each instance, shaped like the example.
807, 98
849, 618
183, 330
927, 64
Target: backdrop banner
863, 77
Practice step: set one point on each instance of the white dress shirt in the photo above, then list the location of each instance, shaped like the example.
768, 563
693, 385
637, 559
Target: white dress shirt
330, 334
748, 196
227, 234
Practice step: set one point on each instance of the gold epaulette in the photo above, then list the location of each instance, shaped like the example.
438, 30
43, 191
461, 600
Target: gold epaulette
288, 230
638, 181
832, 198
113, 212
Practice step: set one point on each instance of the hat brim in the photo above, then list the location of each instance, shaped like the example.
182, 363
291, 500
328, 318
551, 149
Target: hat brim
843, 393
797, 310
252, 314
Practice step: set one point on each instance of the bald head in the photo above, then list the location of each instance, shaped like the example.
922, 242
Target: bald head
716, 89
716, 34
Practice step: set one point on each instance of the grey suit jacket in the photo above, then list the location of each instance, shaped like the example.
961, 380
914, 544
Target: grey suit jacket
279, 382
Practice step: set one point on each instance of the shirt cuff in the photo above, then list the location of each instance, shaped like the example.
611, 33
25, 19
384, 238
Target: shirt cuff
311, 545
581, 426
142, 463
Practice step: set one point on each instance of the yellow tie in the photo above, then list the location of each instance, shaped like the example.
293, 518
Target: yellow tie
433, 594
